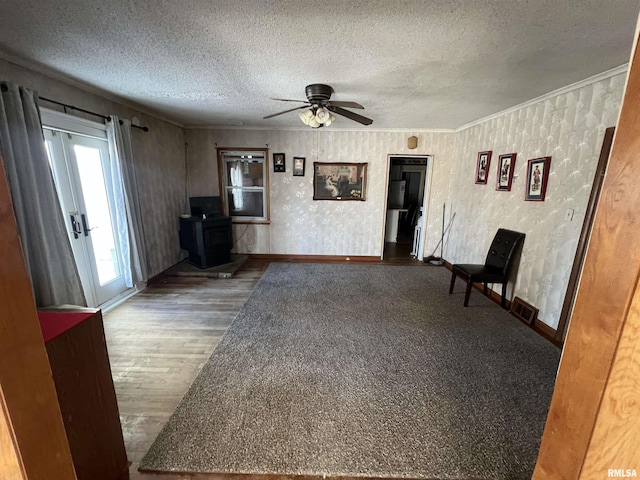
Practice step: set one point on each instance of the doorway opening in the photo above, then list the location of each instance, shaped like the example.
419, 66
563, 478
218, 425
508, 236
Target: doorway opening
406, 194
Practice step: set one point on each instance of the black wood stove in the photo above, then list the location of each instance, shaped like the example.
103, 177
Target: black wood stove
207, 234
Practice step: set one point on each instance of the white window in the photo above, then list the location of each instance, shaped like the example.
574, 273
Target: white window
244, 184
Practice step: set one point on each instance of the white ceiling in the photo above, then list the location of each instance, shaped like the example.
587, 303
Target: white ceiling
412, 64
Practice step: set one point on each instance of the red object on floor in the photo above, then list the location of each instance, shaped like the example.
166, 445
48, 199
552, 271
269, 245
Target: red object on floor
54, 324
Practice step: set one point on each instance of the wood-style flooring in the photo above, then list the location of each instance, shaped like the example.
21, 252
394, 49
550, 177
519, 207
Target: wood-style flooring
159, 339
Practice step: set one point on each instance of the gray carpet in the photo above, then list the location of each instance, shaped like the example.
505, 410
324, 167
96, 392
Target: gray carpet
365, 370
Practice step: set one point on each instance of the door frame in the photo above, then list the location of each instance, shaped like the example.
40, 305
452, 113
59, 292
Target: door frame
585, 233
593, 407
425, 198
63, 123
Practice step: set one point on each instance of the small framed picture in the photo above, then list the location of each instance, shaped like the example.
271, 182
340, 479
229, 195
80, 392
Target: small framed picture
506, 164
278, 162
537, 177
298, 166
482, 167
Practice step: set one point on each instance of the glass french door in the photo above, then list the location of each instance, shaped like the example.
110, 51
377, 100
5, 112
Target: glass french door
81, 168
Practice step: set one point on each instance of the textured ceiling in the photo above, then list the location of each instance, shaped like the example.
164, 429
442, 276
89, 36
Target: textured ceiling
412, 64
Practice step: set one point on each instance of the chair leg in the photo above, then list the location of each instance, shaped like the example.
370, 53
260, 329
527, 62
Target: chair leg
486, 290
453, 281
467, 293
503, 301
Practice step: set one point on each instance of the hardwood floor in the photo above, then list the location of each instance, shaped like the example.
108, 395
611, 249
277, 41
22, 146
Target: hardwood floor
159, 339
399, 253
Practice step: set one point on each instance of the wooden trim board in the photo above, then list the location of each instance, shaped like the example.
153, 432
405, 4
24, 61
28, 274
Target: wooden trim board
581, 249
592, 424
11, 467
32, 414
315, 258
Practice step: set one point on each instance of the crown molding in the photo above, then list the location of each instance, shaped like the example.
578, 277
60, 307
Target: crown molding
328, 129
49, 72
560, 91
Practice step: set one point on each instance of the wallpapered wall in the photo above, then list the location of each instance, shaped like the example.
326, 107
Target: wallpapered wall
569, 128
301, 226
159, 157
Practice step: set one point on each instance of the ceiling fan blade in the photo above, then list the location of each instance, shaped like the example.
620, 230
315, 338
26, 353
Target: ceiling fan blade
288, 100
286, 111
350, 115
344, 104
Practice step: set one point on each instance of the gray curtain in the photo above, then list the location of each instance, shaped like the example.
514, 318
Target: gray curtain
122, 167
46, 247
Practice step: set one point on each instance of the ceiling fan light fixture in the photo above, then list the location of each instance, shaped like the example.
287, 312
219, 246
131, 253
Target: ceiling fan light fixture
313, 122
306, 116
323, 115
318, 108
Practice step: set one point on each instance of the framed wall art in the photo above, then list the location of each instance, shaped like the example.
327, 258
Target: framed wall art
298, 166
482, 167
537, 177
506, 164
278, 162
339, 181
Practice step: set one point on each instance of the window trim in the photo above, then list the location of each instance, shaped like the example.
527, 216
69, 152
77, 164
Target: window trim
63, 122
222, 186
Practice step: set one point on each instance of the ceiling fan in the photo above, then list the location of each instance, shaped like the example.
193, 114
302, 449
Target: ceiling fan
319, 107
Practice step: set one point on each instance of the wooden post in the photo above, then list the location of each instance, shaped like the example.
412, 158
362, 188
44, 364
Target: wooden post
33, 442
10, 462
593, 423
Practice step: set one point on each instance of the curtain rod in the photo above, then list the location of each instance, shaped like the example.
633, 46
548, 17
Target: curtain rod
104, 117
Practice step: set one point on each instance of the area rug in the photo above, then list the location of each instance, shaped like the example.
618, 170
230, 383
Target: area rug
226, 270
364, 370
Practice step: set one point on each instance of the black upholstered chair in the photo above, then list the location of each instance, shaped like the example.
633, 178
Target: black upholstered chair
496, 267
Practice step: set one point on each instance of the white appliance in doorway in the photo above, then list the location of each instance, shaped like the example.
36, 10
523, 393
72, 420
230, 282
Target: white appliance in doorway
416, 247
397, 190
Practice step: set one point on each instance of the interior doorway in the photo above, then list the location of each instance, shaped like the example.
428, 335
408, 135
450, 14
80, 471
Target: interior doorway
406, 193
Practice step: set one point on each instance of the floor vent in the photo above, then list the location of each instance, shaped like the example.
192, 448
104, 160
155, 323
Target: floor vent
524, 311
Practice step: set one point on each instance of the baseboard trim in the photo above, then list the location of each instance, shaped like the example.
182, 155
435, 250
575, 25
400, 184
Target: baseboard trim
543, 327
157, 278
314, 258
547, 332
538, 326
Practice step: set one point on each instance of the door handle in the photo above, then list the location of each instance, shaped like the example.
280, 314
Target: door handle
84, 225
75, 225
